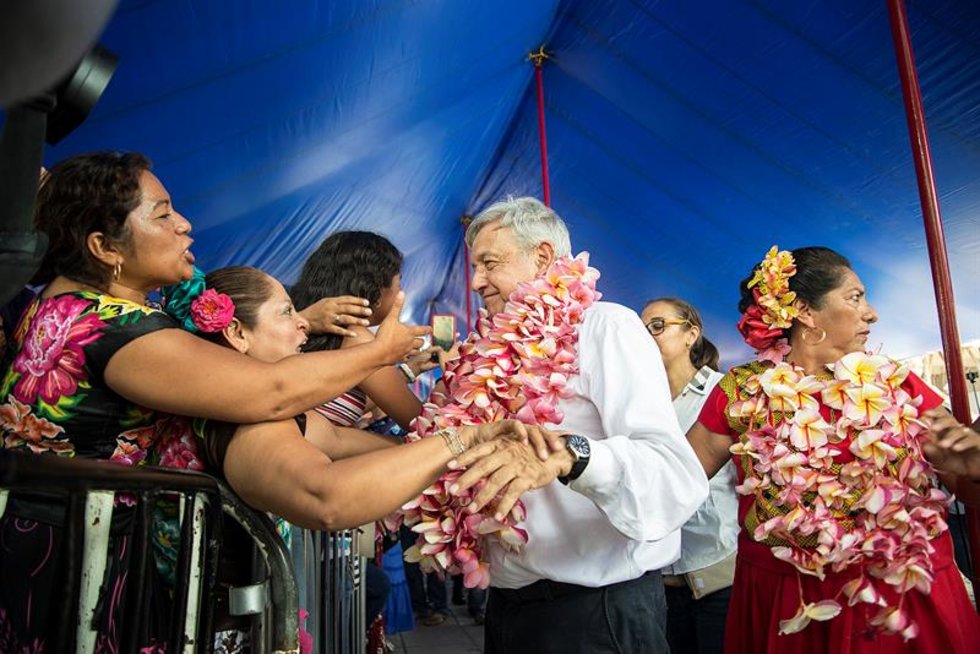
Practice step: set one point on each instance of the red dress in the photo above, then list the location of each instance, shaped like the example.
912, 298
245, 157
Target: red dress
767, 590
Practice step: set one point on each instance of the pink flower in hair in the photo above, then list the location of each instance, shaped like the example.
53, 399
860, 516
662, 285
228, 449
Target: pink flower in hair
212, 311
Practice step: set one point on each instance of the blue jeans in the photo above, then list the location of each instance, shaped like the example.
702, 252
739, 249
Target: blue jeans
553, 618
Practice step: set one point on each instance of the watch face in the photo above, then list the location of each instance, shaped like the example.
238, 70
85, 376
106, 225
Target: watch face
579, 445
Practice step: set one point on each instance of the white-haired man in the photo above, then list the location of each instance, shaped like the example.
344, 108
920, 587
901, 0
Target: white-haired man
610, 499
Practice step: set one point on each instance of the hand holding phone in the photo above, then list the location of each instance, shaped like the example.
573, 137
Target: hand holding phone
444, 331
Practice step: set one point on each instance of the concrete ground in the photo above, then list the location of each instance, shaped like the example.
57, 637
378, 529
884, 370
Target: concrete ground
457, 635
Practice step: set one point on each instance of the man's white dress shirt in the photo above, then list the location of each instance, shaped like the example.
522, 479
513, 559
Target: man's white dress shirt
622, 517
711, 535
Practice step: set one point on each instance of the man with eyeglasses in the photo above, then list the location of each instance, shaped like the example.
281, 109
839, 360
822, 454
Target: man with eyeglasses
605, 518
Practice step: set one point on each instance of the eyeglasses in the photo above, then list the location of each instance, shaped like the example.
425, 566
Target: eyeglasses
656, 326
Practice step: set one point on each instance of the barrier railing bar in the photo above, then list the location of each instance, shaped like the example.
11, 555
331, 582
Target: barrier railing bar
74, 544
282, 582
191, 638
98, 520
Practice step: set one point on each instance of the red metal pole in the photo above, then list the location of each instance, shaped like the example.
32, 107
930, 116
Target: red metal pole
539, 58
936, 242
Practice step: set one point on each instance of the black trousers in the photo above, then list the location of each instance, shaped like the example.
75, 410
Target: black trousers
551, 617
696, 626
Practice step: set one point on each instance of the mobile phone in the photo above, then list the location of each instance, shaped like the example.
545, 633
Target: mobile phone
443, 331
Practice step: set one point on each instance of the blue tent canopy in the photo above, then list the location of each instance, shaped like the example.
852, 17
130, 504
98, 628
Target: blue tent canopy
684, 138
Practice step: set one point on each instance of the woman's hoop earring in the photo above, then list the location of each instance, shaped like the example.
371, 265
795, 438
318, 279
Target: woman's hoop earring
116, 271
807, 330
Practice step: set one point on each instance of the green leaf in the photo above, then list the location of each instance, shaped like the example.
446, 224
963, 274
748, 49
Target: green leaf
62, 409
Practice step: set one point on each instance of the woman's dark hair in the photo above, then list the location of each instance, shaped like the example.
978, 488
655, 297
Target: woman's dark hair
248, 288
819, 270
346, 263
703, 352
84, 194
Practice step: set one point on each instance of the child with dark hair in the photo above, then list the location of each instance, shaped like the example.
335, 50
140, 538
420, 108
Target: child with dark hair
369, 266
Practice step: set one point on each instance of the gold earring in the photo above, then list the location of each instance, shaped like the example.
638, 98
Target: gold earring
116, 271
808, 330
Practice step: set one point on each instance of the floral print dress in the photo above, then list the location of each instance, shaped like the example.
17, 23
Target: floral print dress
54, 400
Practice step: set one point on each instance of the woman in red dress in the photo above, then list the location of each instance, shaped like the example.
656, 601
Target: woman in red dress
844, 547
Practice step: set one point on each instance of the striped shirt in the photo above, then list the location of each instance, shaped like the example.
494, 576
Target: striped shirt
346, 410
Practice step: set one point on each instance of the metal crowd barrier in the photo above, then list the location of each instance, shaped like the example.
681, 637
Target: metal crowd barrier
87, 489
330, 574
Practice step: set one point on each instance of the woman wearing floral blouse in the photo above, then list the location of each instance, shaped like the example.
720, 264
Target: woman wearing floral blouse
844, 547
94, 371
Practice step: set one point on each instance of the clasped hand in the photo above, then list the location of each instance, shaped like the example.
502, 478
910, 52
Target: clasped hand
514, 458
953, 447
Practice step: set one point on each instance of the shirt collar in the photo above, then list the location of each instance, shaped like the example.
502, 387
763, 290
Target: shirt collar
699, 382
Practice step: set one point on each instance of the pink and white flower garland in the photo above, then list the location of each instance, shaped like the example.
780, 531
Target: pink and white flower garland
876, 514
515, 366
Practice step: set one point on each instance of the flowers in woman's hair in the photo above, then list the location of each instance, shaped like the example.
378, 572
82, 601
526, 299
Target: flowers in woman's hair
762, 323
195, 307
755, 330
212, 311
177, 299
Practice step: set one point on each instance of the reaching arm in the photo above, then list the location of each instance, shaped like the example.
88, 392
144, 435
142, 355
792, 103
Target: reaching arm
711, 448
273, 468
173, 371
343, 442
387, 387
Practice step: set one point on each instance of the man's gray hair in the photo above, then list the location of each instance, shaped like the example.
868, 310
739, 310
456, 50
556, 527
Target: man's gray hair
529, 220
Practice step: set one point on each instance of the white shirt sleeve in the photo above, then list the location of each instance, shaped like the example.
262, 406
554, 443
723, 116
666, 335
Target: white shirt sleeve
643, 476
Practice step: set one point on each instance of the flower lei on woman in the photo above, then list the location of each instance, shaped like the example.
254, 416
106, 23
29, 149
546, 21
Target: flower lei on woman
875, 514
516, 365
197, 308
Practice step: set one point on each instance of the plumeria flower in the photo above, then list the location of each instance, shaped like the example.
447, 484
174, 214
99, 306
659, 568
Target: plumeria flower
820, 611
776, 352
894, 620
834, 394
867, 403
911, 575
806, 389
859, 368
870, 444
861, 589
893, 374
903, 414
780, 375
809, 429
753, 485
802, 480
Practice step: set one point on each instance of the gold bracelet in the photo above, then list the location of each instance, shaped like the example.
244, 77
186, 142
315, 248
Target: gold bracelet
453, 441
